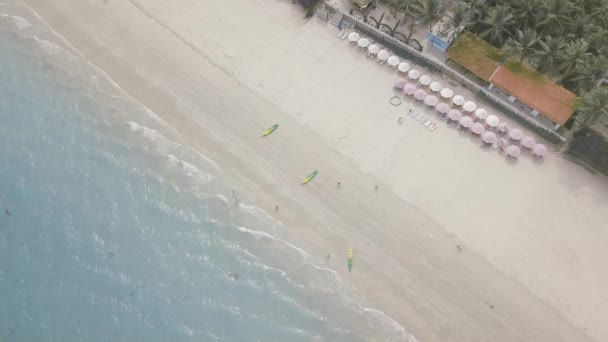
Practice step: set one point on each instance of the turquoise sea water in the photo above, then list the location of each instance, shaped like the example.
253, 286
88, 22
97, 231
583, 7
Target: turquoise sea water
119, 232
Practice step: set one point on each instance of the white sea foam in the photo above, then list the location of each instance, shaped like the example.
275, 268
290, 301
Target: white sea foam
256, 233
15, 23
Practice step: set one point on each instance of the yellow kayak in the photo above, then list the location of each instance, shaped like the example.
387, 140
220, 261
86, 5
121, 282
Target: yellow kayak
309, 177
350, 259
270, 130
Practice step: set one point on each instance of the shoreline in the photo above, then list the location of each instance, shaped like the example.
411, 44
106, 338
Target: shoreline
227, 139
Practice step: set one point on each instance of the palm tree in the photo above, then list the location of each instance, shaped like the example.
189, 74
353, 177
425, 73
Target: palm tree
429, 11
546, 55
598, 39
556, 16
498, 24
527, 12
574, 54
593, 104
523, 46
581, 27
588, 75
459, 17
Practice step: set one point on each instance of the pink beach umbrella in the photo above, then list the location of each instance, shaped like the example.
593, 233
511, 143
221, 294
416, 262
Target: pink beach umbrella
435, 86
454, 114
409, 89
425, 80
466, 121
528, 142
420, 94
539, 150
446, 93
469, 106
492, 120
478, 128
488, 137
399, 84
431, 100
413, 74
442, 108
513, 151
403, 67
503, 127
393, 61
458, 100
516, 134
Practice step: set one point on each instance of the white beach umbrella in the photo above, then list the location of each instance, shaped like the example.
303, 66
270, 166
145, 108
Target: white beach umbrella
458, 100
393, 61
539, 150
425, 80
492, 120
528, 142
488, 137
442, 108
435, 86
466, 121
420, 94
383, 55
478, 128
353, 37
431, 100
446, 93
503, 127
481, 113
516, 134
403, 67
363, 43
513, 151
413, 74
469, 106
373, 49
454, 114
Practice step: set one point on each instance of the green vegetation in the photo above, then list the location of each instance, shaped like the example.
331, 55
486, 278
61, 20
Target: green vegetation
478, 56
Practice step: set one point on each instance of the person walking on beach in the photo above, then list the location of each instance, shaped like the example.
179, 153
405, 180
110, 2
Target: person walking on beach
276, 209
376, 188
338, 185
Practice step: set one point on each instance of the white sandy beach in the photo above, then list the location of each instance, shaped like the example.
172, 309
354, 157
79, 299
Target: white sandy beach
223, 71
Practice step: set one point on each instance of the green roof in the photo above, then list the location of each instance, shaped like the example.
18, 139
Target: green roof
476, 55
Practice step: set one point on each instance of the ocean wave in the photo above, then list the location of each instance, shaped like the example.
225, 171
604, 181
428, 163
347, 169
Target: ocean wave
15, 23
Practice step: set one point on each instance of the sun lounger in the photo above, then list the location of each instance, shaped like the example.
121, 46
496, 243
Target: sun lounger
412, 113
341, 32
419, 116
427, 123
344, 35
433, 126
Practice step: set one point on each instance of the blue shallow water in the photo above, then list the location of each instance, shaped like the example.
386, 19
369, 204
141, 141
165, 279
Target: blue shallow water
118, 234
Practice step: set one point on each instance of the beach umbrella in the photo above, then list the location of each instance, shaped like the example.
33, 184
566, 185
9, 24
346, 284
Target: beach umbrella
425, 80
403, 67
488, 137
528, 142
431, 100
363, 43
458, 100
503, 127
446, 93
409, 89
454, 114
420, 94
442, 108
466, 121
400, 83
413, 74
382, 55
516, 134
478, 128
393, 61
492, 120
539, 150
481, 113
373, 49
513, 151
353, 37
469, 106
435, 86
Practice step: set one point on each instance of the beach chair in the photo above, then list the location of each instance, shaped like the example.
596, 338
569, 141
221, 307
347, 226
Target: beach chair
427, 123
432, 126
